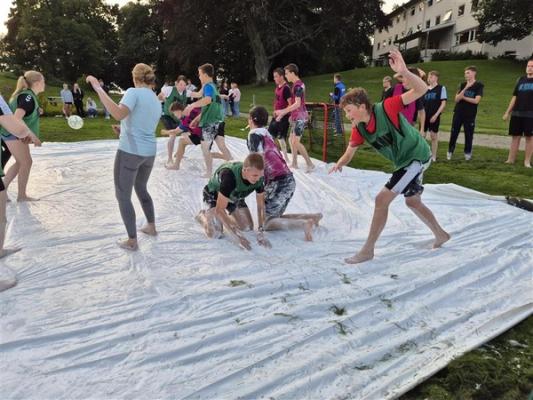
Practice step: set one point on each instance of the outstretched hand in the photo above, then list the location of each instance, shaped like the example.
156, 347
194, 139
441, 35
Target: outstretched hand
93, 82
335, 168
396, 61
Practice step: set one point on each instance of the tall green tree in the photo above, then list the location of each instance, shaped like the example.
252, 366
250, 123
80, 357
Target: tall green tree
62, 38
504, 20
261, 32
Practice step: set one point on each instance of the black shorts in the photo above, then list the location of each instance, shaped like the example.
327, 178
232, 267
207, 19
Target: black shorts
195, 139
2, 187
431, 127
279, 129
169, 122
221, 129
408, 180
210, 199
278, 194
521, 126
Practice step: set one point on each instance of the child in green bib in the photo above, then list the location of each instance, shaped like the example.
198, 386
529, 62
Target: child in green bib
384, 127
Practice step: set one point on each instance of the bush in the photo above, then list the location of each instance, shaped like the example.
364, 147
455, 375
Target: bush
443, 55
412, 56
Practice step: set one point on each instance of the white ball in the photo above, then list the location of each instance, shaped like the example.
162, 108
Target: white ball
75, 122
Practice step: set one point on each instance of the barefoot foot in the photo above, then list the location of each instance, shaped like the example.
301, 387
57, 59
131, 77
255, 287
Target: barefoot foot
26, 198
149, 229
360, 258
128, 244
308, 230
440, 240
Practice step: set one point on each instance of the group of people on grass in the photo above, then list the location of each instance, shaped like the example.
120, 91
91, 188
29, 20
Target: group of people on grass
198, 117
75, 97
426, 111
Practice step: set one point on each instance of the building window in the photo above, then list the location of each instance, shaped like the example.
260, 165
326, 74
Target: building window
419, 27
396, 37
380, 30
398, 19
404, 15
428, 24
472, 36
390, 41
461, 10
447, 16
465, 37
437, 20
413, 11
410, 31
430, 3
474, 5
421, 6
378, 45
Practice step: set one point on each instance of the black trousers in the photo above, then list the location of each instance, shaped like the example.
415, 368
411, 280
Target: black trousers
468, 125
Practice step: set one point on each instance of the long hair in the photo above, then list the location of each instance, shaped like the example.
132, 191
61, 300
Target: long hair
26, 81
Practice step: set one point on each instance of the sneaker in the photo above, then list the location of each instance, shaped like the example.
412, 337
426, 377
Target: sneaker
468, 157
448, 156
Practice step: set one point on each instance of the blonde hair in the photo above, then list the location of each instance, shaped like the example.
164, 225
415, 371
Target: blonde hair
143, 73
26, 81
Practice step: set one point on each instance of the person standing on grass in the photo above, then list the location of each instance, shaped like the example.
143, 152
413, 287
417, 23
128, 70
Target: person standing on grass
279, 180
25, 105
464, 114
339, 90
138, 112
235, 96
521, 111
68, 100
298, 116
387, 88
384, 127
282, 96
415, 110
77, 94
434, 104
22, 132
224, 197
212, 116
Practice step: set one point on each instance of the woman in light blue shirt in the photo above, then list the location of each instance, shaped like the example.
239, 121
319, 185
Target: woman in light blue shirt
138, 112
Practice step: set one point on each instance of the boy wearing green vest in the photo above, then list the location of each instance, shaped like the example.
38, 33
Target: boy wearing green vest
212, 114
386, 129
178, 94
224, 195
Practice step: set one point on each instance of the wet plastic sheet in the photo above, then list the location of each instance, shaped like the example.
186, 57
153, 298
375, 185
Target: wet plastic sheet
191, 318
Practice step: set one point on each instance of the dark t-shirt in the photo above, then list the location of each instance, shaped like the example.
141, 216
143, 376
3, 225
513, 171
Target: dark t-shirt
524, 98
433, 99
387, 93
25, 102
465, 109
228, 183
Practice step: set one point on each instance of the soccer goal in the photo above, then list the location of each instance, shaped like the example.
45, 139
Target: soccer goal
322, 135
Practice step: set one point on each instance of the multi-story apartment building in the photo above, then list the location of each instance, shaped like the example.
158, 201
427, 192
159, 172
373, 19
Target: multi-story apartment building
432, 25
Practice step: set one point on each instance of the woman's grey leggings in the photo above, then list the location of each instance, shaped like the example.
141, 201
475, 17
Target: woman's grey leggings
133, 171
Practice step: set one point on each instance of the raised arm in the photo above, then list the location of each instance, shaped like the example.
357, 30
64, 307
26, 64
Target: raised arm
118, 111
417, 85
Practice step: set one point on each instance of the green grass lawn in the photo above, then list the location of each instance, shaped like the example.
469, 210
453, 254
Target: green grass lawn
499, 77
498, 369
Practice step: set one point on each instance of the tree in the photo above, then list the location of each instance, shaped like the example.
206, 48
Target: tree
270, 29
62, 38
504, 20
140, 38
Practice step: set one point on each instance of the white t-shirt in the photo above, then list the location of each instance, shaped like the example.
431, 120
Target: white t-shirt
236, 94
166, 90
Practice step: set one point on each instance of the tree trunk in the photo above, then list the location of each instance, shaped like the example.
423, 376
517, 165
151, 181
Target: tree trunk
262, 62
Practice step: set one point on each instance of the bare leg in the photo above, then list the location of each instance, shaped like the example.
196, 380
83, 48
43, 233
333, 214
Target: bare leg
21, 167
427, 217
221, 143
379, 219
294, 152
529, 151
170, 148
207, 158
513, 150
434, 145
3, 224
286, 223
283, 146
303, 151
315, 217
212, 225
182, 144
243, 219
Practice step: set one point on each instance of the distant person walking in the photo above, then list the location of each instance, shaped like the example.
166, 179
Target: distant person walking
139, 111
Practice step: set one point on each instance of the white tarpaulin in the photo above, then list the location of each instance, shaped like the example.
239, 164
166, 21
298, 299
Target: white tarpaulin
191, 318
